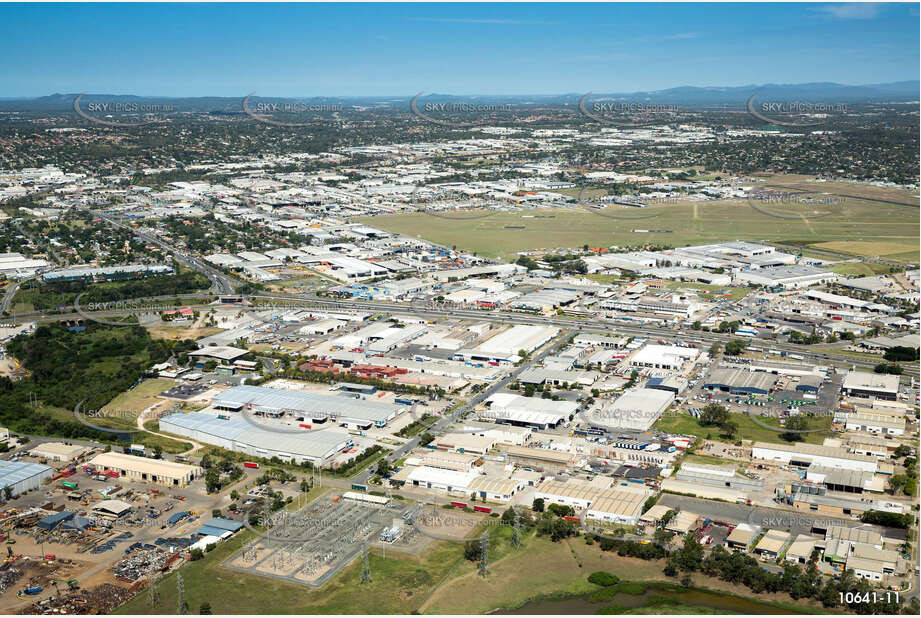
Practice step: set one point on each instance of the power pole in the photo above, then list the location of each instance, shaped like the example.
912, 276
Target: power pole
154, 592
180, 595
484, 553
365, 567
516, 529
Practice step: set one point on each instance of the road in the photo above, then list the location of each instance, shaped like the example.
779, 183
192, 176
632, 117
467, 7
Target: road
444, 422
221, 283
598, 326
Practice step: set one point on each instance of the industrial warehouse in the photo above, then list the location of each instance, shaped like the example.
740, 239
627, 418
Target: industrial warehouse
343, 409
244, 436
143, 469
740, 381
636, 410
20, 477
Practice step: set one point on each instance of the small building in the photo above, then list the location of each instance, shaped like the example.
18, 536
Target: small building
741, 537
655, 514
111, 509
865, 568
494, 488
802, 548
683, 522
539, 458
871, 385
464, 443
809, 384
219, 352
58, 451
619, 505
575, 493
771, 544
436, 478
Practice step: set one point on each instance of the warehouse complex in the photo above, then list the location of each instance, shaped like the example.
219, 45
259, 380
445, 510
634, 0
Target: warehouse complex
347, 410
242, 436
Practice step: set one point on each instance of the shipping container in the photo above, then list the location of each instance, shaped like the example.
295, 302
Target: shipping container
250, 464
482, 509
459, 505
69, 485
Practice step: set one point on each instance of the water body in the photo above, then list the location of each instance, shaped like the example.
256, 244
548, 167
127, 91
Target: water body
652, 596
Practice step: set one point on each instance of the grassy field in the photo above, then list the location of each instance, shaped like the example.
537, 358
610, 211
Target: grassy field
748, 429
875, 248
183, 332
437, 581
709, 292
141, 396
859, 269
856, 227
399, 585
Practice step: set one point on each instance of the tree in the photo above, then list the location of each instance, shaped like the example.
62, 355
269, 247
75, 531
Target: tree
196, 554
472, 550
729, 429
205, 609
794, 427
735, 347
714, 414
901, 353
603, 578
897, 483
662, 538
538, 505
383, 468
426, 438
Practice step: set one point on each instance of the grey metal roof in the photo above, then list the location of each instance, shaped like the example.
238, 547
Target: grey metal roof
12, 472
317, 405
314, 444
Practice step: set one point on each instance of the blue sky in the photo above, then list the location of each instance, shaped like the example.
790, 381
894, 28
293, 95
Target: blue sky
402, 49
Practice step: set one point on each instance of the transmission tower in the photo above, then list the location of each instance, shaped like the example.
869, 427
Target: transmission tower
154, 591
180, 595
365, 567
484, 553
516, 529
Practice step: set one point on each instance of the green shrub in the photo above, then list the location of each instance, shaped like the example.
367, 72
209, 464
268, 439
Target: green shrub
603, 578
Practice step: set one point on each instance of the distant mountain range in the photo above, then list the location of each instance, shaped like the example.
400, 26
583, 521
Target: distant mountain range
902, 92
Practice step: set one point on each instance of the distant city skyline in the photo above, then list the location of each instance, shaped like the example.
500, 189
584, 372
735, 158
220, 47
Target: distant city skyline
186, 50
